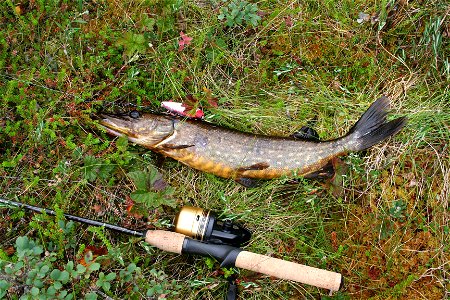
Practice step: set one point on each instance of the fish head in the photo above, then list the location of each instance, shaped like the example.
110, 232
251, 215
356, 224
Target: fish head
140, 128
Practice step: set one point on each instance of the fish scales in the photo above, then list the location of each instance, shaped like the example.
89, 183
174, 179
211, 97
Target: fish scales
228, 153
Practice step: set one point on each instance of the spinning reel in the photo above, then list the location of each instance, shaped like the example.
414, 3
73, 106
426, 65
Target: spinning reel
203, 225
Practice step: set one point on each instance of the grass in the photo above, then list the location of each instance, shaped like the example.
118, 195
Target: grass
385, 228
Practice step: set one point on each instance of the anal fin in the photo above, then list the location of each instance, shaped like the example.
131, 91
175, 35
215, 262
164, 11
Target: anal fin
325, 172
258, 166
248, 182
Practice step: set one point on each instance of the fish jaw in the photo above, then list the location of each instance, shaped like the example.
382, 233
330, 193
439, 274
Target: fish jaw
112, 131
119, 134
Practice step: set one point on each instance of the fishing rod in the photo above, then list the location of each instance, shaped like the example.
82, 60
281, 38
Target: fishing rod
202, 234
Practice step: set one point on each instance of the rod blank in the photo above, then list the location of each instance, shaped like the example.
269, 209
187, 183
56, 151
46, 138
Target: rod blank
75, 218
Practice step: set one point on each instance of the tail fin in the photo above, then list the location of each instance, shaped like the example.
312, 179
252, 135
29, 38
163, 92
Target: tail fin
372, 127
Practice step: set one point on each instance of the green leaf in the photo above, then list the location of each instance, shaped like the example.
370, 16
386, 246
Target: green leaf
81, 269
90, 169
131, 267
96, 168
150, 292
110, 276
9, 270
51, 291
69, 296
152, 190
221, 43
22, 243
105, 170
147, 180
55, 274
34, 291
37, 250
69, 266
94, 267
133, 43
140, 179
90, 296
149, 23
38, 283
106, 286
122, 143
142, 196
64, 277
42, 272
4, 286
44, 269
57, 285
101, 276
19, 265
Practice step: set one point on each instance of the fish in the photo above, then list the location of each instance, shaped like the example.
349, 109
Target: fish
245, 156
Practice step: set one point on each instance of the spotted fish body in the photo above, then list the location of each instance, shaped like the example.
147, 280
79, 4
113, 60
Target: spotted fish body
233, 154
228, 153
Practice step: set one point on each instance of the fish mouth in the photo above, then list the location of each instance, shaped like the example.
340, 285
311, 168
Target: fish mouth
112, 131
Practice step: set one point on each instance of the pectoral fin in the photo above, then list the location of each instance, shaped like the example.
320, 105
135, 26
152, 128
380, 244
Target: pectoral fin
174, 147
250, 182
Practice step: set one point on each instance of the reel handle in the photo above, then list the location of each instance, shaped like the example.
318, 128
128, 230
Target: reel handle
179, 243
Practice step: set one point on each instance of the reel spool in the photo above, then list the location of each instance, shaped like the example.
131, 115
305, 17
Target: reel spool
203, 225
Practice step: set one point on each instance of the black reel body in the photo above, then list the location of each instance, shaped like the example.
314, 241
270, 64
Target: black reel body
204, 226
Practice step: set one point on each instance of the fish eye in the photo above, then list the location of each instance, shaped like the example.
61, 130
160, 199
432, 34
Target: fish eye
134, 114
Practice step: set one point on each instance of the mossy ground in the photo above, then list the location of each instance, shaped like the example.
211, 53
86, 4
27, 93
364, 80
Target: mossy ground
385, 227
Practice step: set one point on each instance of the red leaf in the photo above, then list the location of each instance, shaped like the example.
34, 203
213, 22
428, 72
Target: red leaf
213, 102
129, 207
10, 250
129, 204
334, 240
190, 101
189, 112
185, 40
374, 273
288, 21
91, 253
98, 210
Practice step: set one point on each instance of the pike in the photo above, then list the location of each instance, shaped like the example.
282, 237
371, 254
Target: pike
232, 154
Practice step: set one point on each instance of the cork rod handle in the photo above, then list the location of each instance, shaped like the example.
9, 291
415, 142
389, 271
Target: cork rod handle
288, 270
173, 242
165, 240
